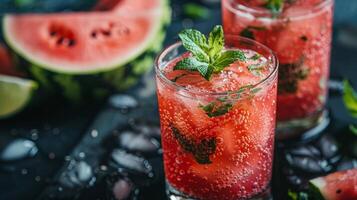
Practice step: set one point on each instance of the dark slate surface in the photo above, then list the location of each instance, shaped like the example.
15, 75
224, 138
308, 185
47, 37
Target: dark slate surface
59, 130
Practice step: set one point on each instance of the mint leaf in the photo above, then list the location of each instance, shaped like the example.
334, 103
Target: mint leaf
205, 71
275, 6
353, 129
227, 58
298, 195
248, 31
195, 42
350, 98
290, 76
201, 150
216, 42
255, 69
208, 57
196, 11
215, 109
190, 64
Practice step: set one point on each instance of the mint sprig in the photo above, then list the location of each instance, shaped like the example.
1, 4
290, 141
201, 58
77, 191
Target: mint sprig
350, 100
215, 109
200, 150
275, 6
208, 56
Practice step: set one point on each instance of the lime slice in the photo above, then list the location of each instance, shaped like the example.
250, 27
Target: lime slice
15, 94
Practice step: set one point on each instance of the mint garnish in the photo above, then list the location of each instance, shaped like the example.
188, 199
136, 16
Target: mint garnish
208, 56
275, 6
196, 11
248, 31
201, 150
216, 108
290, 75
350, 100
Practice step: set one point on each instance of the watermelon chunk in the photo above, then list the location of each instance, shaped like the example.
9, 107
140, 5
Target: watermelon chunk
89, 54
337, 186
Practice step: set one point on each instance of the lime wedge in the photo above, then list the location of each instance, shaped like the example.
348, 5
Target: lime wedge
15, 94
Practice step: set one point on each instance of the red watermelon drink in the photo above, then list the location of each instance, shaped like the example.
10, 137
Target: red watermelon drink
299, 32
217, 129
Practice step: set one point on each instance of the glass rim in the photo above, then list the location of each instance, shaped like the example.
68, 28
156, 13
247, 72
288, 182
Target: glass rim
306, 13
272, 75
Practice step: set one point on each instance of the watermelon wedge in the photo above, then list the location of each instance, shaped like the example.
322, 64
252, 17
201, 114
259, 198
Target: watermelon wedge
337, 186
89, 53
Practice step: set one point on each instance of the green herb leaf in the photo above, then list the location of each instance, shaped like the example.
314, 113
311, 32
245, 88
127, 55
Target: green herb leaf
195, 42
275, 6
290, 75
256, 56
353, 129
255, 69
227, 58
201, 150
298, 195
208, 56
190, 64
215, 109
196, 11
350, 98
248, 31
205, 71
216, 42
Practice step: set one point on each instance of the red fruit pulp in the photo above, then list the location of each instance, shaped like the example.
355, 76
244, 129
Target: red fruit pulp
240, 165
301, 40
340, 185
7, 67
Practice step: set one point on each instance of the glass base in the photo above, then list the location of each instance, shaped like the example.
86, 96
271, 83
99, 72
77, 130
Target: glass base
173, 194
303, 129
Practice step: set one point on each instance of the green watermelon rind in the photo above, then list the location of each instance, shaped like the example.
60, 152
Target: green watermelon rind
160, 21
315, 187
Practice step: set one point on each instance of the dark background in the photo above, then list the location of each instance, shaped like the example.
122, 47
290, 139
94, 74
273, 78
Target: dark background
60, 130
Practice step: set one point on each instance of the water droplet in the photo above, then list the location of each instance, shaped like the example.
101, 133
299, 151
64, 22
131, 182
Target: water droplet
24, 171
94, 133
82, 155
121, 101
67, 158
37, 178
51, 155
103, 168
18, 149
34, 134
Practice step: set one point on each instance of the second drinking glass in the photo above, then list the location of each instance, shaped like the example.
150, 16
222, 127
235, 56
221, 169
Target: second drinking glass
300, 35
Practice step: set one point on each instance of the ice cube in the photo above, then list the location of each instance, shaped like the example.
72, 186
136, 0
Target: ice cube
78, 174
138, 142
17, 149
131, 161
121, 101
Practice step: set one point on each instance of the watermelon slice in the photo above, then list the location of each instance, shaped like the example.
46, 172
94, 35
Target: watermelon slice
75, 51
337, 186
